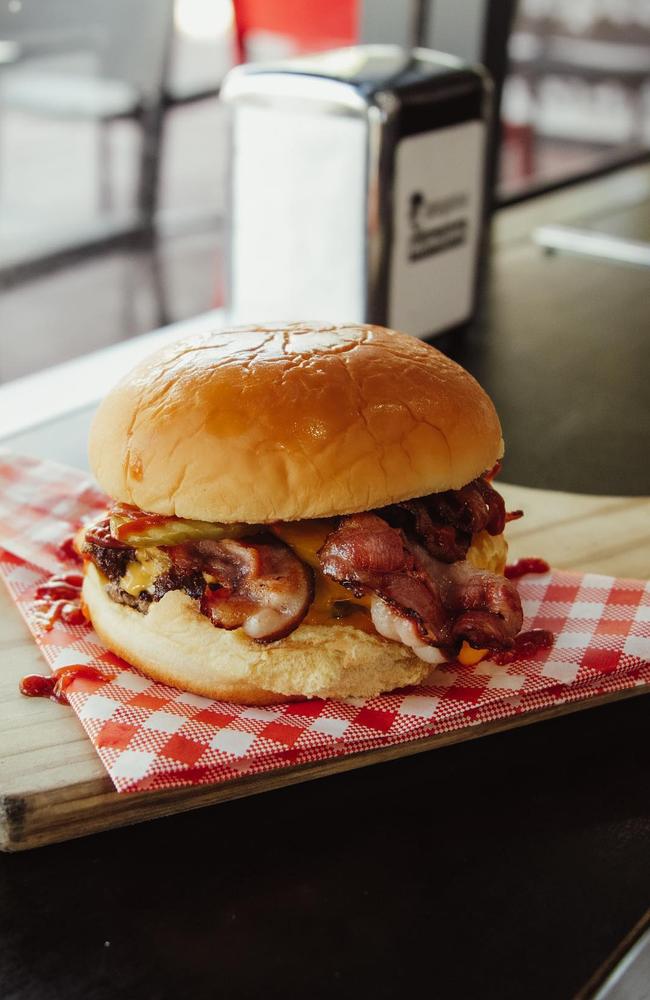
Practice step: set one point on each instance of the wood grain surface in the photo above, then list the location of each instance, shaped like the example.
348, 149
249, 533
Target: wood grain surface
53, 786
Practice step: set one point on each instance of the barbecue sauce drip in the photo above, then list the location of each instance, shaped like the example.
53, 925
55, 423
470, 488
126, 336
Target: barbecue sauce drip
526, 645
529, 565
493, 472
67, 551
55, 686
489, 477
100, 534
59, 599
139, 521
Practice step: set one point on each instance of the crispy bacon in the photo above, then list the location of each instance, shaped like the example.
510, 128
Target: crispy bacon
446, 602
444, 523
366, 554
476, 507
467, 509
361, 550
496, 508
229, 561
485, 607
261, 587
258, 585
442, 541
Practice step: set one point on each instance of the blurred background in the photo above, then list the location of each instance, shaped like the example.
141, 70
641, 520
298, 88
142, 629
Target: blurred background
113, 148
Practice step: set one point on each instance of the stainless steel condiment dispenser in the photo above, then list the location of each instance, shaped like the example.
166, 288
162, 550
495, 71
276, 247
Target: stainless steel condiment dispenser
356, 188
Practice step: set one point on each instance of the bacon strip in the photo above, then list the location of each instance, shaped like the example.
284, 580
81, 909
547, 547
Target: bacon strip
261, 587
365, 554
417, 519
444, 523
485, 607
447, 603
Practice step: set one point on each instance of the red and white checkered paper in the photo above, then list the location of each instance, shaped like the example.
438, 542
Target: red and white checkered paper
150, 735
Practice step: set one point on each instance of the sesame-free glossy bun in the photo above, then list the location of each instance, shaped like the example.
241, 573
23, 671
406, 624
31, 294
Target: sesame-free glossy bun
175, 644
283, 422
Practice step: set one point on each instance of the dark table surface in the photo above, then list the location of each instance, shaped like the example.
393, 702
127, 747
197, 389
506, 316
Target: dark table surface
562, 344
506, 867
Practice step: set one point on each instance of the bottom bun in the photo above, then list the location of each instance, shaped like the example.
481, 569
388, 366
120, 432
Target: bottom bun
175, 644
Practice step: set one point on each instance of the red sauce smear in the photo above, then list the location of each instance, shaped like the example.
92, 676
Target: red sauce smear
67, 552
529, 565
61, 585
138, 520
493, 472
55, 685
100, 534
526, 644
59, 599
138, 525
489, 476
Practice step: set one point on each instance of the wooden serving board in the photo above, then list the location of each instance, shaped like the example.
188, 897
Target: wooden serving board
53, 786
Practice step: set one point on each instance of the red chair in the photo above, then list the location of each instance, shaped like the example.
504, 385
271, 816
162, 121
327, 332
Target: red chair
308, 26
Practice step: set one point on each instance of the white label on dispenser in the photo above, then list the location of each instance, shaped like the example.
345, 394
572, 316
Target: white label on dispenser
437, 215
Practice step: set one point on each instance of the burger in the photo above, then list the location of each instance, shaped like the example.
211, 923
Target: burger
298, 511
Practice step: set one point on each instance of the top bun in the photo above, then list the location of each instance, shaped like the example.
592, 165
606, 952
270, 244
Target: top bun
283, 422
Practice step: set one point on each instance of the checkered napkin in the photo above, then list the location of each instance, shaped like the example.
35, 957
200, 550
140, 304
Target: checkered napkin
152, 736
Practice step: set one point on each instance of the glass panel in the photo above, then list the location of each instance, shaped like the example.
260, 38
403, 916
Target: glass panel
110, 135
113, 159
577, 96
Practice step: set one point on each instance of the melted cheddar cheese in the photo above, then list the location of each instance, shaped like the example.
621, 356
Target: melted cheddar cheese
488, 552
142, 571
332, 604
468, 656
305, 537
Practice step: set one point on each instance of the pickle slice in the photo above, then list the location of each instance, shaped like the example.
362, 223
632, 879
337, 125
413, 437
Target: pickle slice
178, 530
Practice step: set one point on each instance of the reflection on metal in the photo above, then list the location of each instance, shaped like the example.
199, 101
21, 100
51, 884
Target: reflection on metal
356, 187
588, 243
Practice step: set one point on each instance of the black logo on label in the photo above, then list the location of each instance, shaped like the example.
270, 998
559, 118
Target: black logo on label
435, 224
